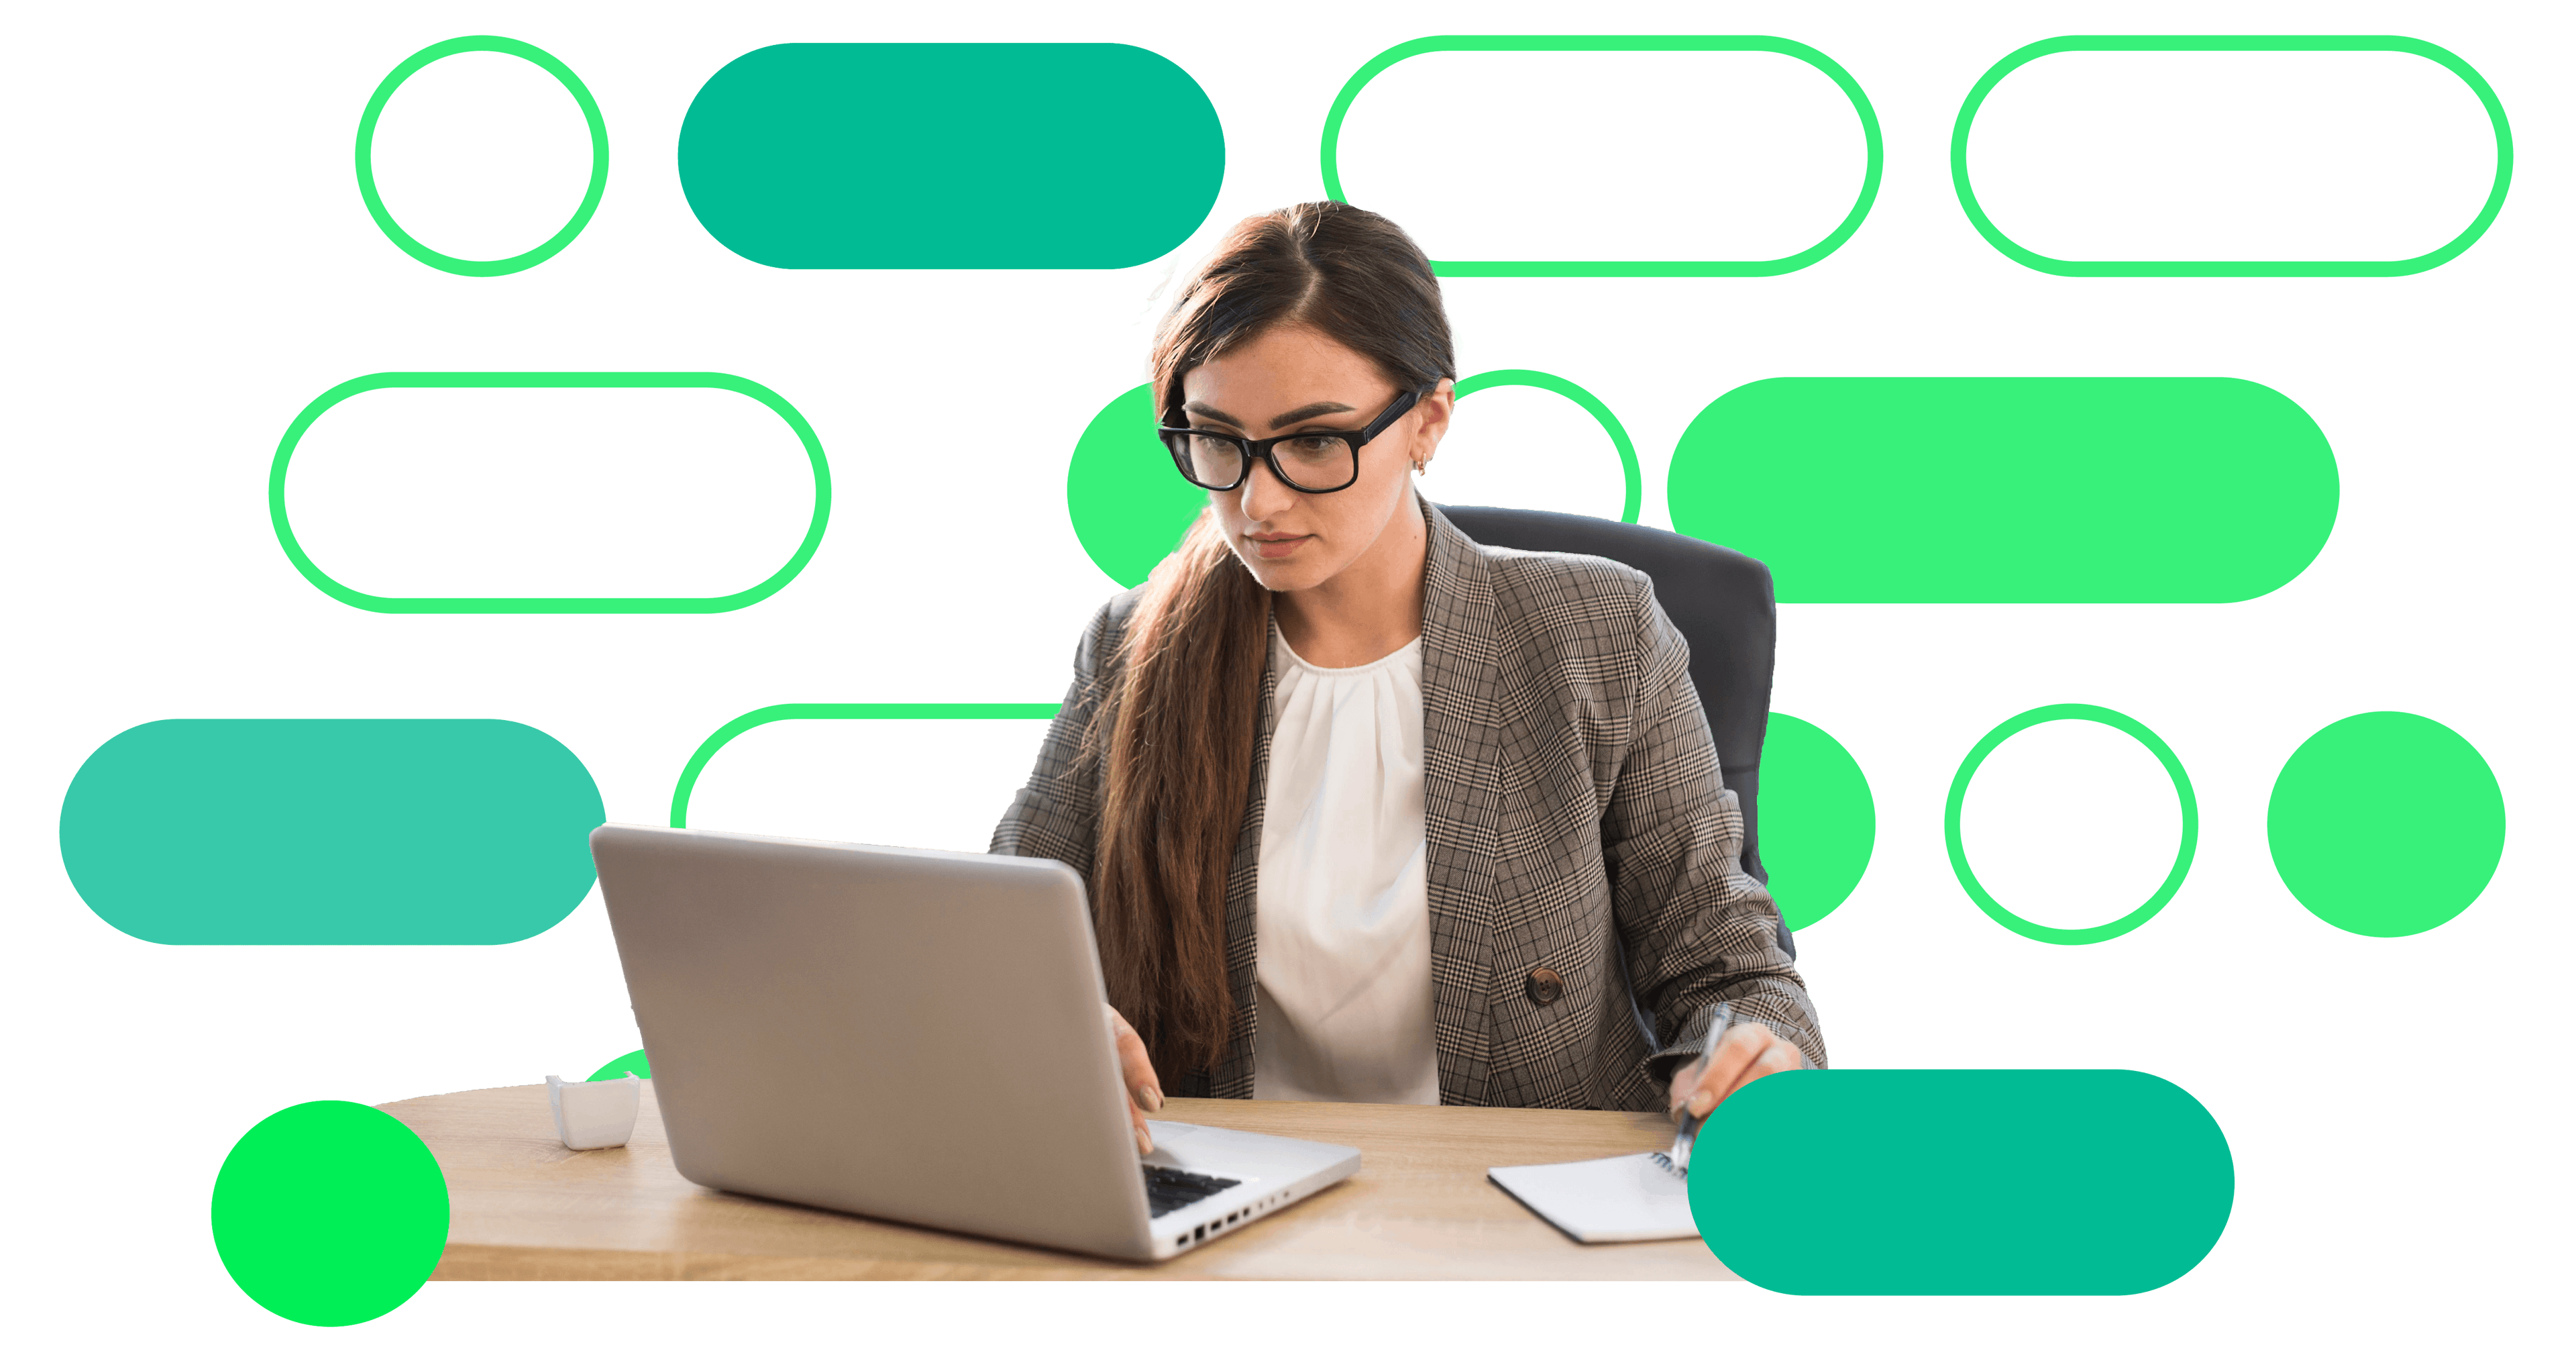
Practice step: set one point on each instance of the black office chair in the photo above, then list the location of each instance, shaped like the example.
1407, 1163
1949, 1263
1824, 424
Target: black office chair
1720, 600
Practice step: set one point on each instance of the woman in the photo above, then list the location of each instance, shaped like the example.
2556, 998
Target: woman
1369, 811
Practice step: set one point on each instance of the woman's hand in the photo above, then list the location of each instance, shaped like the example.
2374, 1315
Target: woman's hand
1747, 1052
1136, 1068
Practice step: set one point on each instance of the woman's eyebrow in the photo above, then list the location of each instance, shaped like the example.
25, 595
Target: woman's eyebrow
1298, 415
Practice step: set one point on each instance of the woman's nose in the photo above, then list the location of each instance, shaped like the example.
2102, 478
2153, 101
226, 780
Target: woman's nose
1265, 495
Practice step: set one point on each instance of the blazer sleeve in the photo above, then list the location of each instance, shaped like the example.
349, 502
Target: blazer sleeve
1696, 929
1057, 814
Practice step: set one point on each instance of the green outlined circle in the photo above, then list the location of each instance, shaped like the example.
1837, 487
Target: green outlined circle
510, 47
1522, 42
2059, 266
1635, 492
330, 1213
2328, 824
2071, 937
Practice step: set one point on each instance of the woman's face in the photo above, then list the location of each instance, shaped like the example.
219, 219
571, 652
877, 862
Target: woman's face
1292, 380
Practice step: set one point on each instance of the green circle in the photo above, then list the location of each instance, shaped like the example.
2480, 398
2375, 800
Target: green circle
461, 266
330, 1213
2386, 824
1129, 505
633, 1061
2070, 937
1818, 821
1629, 472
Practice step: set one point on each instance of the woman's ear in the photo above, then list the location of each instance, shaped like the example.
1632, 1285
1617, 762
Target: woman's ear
1436, 410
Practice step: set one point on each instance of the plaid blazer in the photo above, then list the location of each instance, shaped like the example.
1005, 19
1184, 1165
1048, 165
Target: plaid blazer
1587, 903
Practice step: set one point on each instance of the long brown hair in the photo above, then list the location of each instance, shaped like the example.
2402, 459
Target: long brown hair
1182, 711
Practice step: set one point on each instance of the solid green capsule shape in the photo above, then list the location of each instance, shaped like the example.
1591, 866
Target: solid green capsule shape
1962, 1182
338, 831
2010, 489
876, 155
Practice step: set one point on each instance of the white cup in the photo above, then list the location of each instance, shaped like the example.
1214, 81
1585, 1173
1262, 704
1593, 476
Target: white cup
594, 1114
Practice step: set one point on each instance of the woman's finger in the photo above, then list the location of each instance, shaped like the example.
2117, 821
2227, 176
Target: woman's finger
1728, 1066
1685, 1082
1777, 1055
1136, 1065
1144, 1090
1718, 1072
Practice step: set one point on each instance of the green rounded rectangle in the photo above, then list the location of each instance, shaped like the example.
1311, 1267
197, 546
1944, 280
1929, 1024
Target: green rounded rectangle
1646, 42
550, 604
951, 155
770, 714
1962, 1182
2010, 489
2058, 266
332, 831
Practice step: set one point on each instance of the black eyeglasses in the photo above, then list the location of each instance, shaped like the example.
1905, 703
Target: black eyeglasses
1317, 463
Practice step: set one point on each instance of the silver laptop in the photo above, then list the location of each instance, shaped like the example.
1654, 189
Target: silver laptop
915, 1036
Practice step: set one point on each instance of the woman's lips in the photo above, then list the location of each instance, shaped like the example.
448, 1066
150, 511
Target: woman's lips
1271, 548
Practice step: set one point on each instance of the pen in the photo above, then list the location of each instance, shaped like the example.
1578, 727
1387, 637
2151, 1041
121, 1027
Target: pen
1720, 1016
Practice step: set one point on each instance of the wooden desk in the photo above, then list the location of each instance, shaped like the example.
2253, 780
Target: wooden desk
524, 1208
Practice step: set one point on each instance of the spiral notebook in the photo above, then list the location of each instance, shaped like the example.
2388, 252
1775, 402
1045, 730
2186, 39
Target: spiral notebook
1635, 1198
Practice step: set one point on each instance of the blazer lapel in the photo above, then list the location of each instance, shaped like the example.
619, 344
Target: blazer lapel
1232, 1077
1461, 790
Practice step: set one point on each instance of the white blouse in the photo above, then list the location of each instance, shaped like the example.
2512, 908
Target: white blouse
1342, 917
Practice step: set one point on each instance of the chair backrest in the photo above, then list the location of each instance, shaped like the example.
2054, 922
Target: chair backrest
1720, 600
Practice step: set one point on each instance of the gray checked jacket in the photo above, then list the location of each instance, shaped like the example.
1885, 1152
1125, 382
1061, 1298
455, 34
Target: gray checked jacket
1587, 905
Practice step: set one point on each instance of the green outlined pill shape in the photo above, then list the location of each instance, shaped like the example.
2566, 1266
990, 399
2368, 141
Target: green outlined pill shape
1573, 265
461, 266
283, 524
1995, 235
770, 714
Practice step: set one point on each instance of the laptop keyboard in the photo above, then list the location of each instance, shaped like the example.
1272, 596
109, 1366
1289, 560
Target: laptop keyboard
1168, 1188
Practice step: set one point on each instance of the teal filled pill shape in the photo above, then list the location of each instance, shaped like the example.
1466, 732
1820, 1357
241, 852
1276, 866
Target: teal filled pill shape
951, 155
331, 831
1965, 1183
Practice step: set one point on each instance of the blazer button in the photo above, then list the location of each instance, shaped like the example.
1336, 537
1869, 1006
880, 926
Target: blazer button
1542, 985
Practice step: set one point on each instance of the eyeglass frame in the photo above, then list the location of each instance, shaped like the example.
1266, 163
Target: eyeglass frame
1260, 449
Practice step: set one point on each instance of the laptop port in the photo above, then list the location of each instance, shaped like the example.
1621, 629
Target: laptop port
1199, 1232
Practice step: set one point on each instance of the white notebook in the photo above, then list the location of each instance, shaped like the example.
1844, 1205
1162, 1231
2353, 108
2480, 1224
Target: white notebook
1616, 1199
